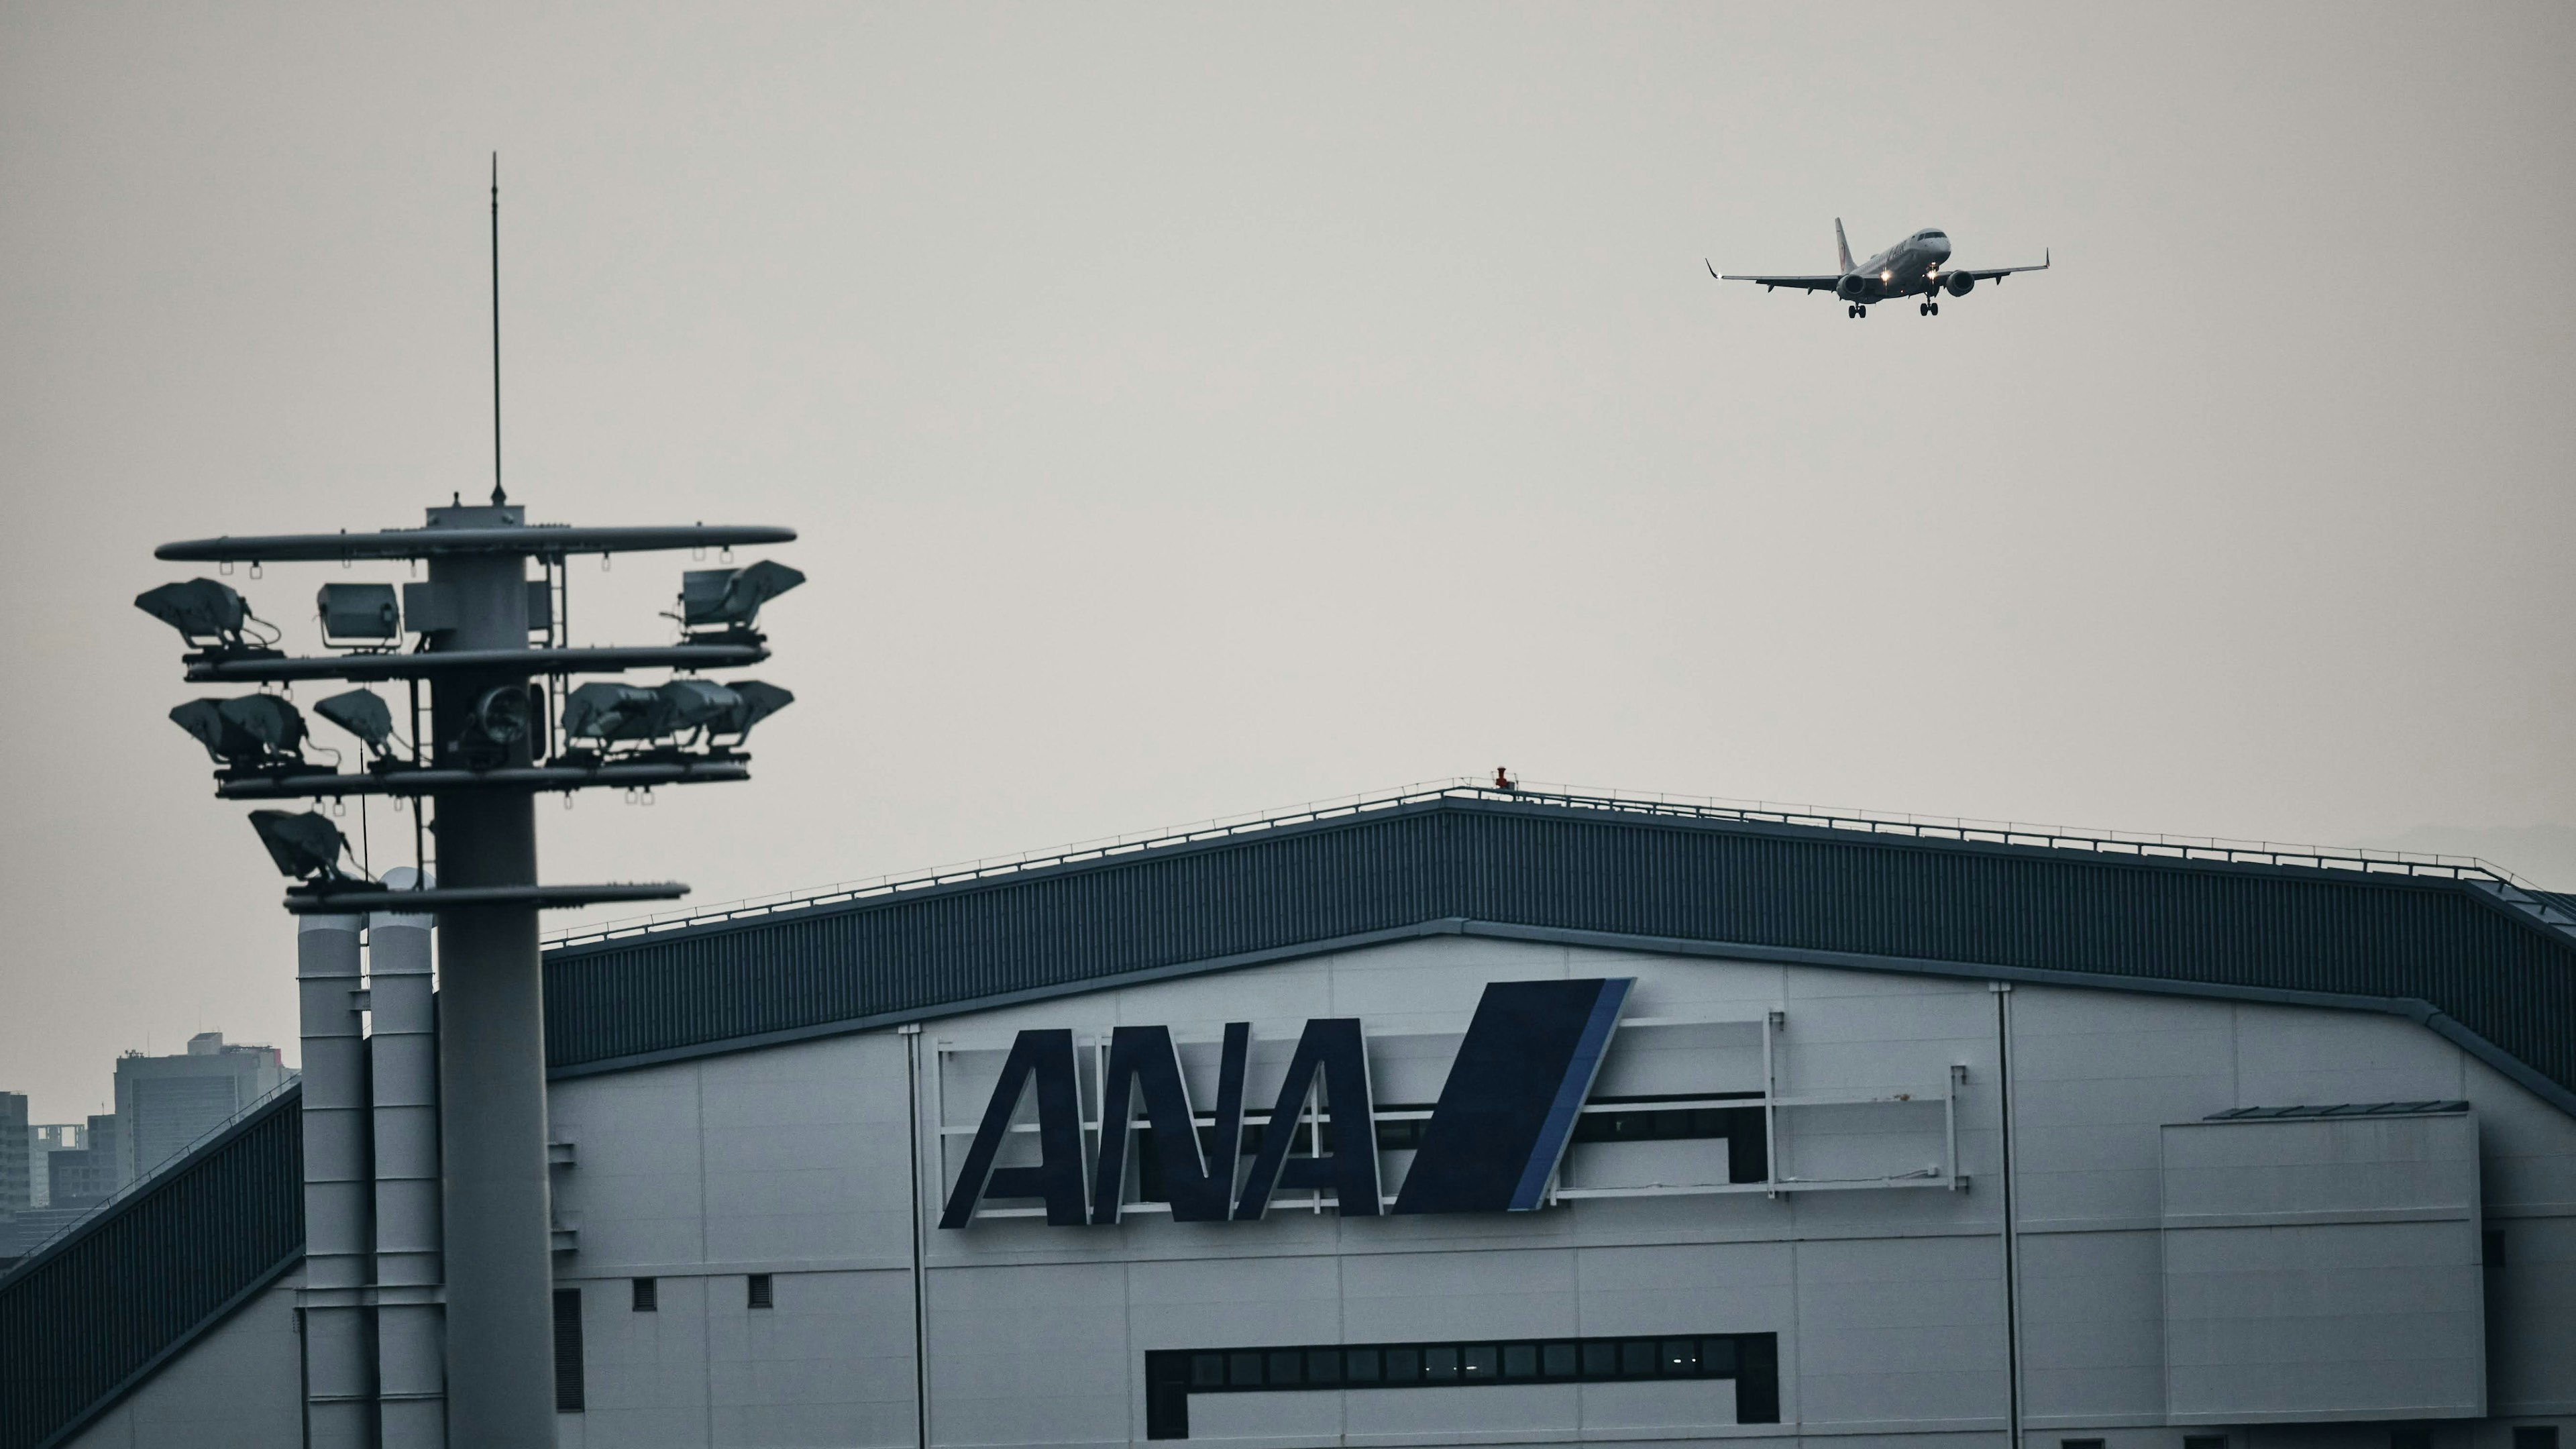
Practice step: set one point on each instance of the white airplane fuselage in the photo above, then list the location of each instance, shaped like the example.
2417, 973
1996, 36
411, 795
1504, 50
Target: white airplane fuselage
1910, 268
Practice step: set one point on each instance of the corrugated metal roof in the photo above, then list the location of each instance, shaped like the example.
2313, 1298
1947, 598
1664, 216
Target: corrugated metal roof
2331, 927
90, 1316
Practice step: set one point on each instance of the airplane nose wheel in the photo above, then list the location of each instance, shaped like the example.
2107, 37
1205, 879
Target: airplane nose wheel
1931, 309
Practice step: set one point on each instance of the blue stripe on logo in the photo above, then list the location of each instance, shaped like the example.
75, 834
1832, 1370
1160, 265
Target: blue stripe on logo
1576, 1085
1507, 1110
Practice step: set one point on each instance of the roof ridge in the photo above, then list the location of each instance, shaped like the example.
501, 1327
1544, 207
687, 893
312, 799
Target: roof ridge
1960, 829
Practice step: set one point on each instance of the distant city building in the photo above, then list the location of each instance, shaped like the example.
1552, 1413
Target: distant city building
16, 1194
78, 1179
165, 1103
43, 1141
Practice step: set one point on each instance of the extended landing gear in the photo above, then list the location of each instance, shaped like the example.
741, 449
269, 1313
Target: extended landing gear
1931, 309
1855, 311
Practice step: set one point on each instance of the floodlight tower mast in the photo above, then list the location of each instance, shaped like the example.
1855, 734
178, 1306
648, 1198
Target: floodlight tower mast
492, 741
492, 1042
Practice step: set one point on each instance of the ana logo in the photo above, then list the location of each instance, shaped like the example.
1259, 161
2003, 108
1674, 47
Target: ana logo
1504, 1117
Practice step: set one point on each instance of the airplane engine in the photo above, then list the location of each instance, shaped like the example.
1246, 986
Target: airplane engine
1958, 283
1852, 288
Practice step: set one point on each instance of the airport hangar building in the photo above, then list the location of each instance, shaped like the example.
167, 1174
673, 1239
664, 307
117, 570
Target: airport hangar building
1605, 1121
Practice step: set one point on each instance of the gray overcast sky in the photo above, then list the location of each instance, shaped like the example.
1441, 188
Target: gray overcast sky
1197, 409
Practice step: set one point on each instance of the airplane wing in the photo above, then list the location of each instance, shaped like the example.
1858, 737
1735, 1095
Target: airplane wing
1989, 274
1804, 284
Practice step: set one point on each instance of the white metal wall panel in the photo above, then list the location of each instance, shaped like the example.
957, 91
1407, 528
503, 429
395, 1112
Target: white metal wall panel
2092, 1339
645, 1375
829, 1365
2532, 1353
235, 1388
2323, 1268
638, 1187
1180, 1304
2527, 1152
1865, 1032
1425, 1416
2288, 1055
805, 1152
1034, 1354
2096, 1075
1426, 983
1902, 1332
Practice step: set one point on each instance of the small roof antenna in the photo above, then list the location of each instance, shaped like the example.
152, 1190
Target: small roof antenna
499, 497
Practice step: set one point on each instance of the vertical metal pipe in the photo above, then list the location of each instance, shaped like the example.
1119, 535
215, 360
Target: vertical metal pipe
403, 1053
339, 1365
491, 1055
911, 1033
2012, 1223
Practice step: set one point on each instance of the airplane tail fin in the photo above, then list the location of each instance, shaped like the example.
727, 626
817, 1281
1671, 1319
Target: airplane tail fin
1842, 249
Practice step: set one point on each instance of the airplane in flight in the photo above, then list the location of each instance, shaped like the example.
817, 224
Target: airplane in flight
1912, 267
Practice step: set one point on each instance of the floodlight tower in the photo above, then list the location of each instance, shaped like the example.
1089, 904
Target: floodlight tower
498, 730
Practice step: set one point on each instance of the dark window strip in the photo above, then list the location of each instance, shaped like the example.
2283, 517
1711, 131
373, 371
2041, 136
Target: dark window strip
1172, 1375
569, 1395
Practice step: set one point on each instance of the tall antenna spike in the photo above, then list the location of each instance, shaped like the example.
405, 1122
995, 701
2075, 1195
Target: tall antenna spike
498, 497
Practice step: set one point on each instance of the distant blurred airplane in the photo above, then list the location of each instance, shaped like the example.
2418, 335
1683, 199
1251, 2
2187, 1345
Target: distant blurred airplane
1911, 268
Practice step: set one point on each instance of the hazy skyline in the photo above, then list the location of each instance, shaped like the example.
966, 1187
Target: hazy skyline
1192, 411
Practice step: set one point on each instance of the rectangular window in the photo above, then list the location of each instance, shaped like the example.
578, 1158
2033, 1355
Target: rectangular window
1757, 1378
2204, 1441
568, 1388
2079, 1444
1169, 1377
2535, 1436
648, 1295
2410, 1439
1750, 1359
760, 1293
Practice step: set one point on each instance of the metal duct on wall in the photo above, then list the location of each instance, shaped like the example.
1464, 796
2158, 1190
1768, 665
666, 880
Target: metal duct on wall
339, 1370
410, 1347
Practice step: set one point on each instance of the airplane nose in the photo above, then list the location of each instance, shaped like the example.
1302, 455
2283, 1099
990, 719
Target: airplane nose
1940, 245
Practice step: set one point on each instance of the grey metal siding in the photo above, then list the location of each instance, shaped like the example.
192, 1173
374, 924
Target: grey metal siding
2280, 928
88, 1318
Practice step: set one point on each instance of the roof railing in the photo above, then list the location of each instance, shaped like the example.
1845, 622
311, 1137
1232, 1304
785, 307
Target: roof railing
1987, 832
